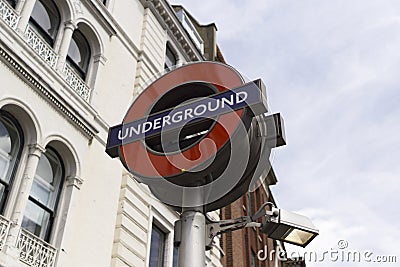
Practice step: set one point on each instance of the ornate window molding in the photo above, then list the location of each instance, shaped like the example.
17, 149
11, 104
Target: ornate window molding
10, 60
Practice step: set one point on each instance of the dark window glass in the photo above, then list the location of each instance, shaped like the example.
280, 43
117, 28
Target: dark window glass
253, 259
170, 58
45, 19
176, 257
41, 208
12, 3
79, 54
11, 143
157, 247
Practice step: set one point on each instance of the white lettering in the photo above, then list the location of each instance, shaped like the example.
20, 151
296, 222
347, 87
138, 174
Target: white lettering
177, 117
136, 131
188, 113
122, 137
239, 98
157, 123
166, 120
149, 124
196, 110
225, 100
216, 106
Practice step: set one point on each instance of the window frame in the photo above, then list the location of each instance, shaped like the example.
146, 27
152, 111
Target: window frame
175, 256
39, 29
161, 249
52, 212
8, 186
170, 50
82, 73
12, 3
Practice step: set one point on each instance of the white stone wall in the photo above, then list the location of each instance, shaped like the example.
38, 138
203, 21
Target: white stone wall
104, 216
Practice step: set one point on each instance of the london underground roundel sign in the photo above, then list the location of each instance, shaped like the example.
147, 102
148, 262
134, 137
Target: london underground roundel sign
193, 130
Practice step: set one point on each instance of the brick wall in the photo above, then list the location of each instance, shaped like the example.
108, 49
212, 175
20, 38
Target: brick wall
241, 245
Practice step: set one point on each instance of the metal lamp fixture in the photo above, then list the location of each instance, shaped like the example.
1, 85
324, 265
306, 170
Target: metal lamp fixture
278, 224
289, 227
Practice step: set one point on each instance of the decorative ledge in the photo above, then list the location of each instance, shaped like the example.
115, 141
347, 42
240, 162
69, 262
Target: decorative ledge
76, 83
9, 59
8, 15
4, 229
41, 47
34, 251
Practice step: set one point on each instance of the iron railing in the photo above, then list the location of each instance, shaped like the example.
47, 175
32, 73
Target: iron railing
34, 251
41, 47
8, 15
76, 82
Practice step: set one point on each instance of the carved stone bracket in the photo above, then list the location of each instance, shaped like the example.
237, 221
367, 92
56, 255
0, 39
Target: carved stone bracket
74, 181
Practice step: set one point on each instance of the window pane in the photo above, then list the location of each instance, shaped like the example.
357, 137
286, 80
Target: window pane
176, 257
79, 53
170, 59
157, 247
40, 192
48, 178
44, 194
36, 220
12, 3
2, 189
10, 149
46, 19
253, 259
44, 170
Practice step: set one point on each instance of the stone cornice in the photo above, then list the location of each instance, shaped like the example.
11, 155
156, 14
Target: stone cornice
27, 75
168, 19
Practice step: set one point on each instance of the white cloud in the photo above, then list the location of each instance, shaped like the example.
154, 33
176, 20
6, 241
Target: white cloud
332, 70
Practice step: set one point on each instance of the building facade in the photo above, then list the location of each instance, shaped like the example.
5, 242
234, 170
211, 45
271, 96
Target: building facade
69, 70
249, 247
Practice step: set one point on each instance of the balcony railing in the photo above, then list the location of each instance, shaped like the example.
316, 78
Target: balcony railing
76, 83
4, 228
34, 251
41, 47
8, 15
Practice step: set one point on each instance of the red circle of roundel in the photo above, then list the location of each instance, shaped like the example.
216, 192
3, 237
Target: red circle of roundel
144, 162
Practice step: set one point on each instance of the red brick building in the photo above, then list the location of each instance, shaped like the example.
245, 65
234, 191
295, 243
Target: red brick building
242, 247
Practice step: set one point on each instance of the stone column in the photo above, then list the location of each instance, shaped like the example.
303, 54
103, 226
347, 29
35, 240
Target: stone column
69, 29
35, 151
24, 8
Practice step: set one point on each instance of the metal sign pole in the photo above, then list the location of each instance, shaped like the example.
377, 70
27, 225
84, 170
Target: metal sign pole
185, 121
192, 231
192, 247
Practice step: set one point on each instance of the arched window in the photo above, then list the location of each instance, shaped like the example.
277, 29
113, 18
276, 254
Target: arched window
170, 58
79, 54
42, 203
11, 143
45, 19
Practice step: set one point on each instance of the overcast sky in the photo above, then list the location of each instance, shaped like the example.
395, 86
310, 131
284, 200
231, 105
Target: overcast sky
332, 69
